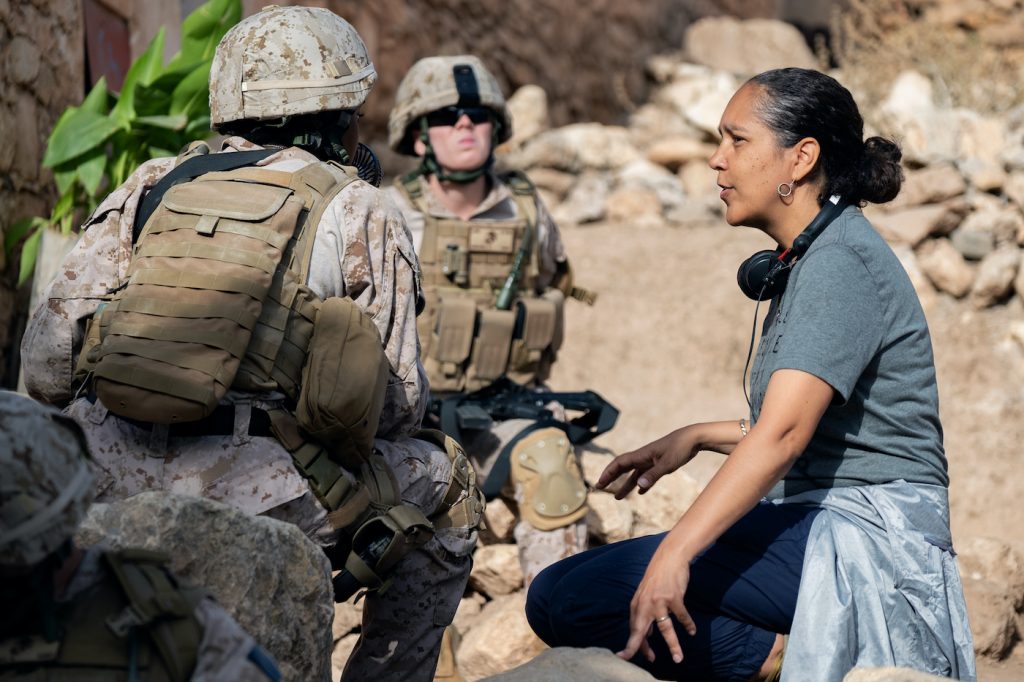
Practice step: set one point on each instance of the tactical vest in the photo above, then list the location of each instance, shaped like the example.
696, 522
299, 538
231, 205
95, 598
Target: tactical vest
466, 341
138, 621
216, 299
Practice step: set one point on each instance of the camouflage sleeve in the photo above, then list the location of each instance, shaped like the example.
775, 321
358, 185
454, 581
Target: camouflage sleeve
227, 652
95, 267
550, 247
363, 250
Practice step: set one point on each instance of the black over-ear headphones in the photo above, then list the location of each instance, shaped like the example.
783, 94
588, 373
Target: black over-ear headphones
764, 275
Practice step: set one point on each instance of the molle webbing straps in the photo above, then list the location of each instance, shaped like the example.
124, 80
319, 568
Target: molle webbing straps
158, 606
209, 254
325, 478
277, 351
188, 170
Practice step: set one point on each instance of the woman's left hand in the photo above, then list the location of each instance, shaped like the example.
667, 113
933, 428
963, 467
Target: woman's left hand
656, 600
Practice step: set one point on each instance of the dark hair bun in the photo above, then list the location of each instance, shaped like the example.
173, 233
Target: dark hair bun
881, 175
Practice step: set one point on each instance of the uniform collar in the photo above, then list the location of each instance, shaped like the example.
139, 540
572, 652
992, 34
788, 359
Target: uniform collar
498, 194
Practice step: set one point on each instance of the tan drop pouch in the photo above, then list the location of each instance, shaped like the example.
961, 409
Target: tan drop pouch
490, 348
451, 342
172, 339
538, 335
344, 381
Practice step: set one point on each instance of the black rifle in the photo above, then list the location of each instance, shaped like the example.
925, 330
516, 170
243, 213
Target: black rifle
505, 399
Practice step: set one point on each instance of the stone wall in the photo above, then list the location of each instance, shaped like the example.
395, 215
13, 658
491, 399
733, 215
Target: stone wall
42, 73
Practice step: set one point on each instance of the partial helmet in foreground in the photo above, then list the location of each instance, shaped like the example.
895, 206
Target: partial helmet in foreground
45, 482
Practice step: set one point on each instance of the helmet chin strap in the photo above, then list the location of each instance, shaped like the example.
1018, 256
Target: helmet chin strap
430, 166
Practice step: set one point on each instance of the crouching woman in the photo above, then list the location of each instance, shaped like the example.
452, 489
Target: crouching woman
829, 520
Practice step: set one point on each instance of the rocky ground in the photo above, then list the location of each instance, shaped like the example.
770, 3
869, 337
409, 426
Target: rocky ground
667, 339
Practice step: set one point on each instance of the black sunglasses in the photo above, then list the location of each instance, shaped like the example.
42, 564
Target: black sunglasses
449, 116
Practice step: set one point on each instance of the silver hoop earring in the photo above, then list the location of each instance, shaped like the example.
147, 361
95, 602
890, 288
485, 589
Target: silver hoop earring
789, 189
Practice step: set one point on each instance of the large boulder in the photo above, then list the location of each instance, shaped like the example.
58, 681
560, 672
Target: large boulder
699, 95
496, 570
266, 573
608, 520
927, 134
500, 639
945, 267
575, 665
746, 47
576, 147
658, 509
585, 202
911, 226
995, 276
930, 185
529, 109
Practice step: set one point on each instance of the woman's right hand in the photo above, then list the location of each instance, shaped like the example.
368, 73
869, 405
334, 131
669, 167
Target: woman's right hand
648, 464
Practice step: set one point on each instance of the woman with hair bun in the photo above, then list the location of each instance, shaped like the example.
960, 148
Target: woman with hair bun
828, 522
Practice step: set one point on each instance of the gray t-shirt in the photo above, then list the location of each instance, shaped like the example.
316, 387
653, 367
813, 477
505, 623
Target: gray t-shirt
851, 317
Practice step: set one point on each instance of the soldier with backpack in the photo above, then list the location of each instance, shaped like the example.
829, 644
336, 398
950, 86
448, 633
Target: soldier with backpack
240, 325
72, 613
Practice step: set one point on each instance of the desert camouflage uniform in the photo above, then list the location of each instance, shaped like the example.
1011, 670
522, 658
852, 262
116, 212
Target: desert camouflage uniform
362, 250
537, 548
45, 477
226, 651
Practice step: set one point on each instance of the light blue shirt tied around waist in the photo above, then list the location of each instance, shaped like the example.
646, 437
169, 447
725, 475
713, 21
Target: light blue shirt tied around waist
880, 586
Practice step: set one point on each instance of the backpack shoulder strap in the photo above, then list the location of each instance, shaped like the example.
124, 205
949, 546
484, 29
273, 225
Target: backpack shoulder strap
524, 194
159, 606
340, 178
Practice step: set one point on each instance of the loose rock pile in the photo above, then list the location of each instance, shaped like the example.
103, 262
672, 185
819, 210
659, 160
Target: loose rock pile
958, 222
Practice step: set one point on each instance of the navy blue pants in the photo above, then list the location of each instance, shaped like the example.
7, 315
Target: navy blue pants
742, 592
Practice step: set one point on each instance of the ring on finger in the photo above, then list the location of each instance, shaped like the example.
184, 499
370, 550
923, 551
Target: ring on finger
662, 619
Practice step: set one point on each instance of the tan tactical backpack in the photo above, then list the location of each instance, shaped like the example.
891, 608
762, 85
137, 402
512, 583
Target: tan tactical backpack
215, 300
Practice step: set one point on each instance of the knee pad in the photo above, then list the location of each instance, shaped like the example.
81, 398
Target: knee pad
544, 465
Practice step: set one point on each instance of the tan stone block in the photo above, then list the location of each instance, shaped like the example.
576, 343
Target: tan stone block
609, 520
500, 520
674, 152
908, 226
945, 267
501, 639
995, 276
496, 570
634, 206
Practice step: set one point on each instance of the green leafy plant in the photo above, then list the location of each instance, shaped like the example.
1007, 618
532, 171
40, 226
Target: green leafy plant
95, 146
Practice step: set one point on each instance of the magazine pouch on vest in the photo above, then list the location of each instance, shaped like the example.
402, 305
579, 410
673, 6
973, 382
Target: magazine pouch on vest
467, 342
174, 336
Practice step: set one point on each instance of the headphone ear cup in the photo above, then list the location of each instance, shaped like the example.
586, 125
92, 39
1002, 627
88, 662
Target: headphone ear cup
762, 276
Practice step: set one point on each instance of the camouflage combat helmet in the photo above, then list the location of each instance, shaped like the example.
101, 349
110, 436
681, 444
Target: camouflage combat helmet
285, 61
437, 82
45, 483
